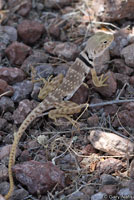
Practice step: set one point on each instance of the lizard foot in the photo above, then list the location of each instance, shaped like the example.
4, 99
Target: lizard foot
99, 81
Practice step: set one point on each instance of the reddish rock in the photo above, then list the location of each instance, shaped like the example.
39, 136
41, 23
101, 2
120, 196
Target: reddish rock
110, 109
126, 118
67, 50
101, 62
4, 151
128, 106
22, 7
32, 60
24, 108
39, 177
88, 190
12, 75
131, 170
81, 95
121, 79
93, 121
119, 66
17, 52
90, 162
88, 149
32, 144
66, 162
131, 80
54, 30
30, 31
25, 156
111, 87
125, 115
25, 8
4, 87
120, 41
109, 189
96, 100
107, 10
49, 46
109, 165
57, 4
128, 54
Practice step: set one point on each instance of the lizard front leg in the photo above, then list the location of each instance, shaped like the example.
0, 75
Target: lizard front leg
49, 85
99, 81
66, 109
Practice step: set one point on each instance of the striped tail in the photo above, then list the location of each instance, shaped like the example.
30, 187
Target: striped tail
17, 136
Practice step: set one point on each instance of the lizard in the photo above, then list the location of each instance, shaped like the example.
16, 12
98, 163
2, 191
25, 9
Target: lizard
57, 92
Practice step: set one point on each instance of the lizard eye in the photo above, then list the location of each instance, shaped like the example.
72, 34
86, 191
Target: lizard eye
105, 42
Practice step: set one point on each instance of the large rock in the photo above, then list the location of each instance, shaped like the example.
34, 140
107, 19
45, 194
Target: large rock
108, 10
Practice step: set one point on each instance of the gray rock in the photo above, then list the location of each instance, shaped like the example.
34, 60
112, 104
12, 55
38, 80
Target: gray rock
125, 192
22, 90
6, 104
128, 54
107, 179
99, 196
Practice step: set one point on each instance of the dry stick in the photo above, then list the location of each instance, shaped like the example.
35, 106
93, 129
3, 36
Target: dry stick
103, 23
125, 84
84, 129
92, 105
106, 23
53, 160
123, 127
5, 93
110, 102
95, 105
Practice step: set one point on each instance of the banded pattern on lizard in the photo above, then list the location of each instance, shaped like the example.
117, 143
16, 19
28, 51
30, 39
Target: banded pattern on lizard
58, 91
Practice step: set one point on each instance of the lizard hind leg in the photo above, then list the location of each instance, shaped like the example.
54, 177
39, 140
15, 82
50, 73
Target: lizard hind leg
66, 110
54, 116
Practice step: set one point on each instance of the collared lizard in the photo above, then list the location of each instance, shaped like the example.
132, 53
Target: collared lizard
60, 89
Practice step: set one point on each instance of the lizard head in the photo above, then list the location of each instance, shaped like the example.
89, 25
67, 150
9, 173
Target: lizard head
101, 42
96, 45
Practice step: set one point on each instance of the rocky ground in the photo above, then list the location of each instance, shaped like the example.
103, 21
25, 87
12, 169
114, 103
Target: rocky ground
40, 38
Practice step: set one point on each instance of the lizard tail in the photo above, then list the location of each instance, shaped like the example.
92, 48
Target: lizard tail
17, 136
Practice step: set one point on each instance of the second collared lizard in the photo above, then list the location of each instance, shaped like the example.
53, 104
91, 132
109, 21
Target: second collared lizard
60, 89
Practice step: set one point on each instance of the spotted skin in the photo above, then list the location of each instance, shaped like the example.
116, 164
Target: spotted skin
62, 89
